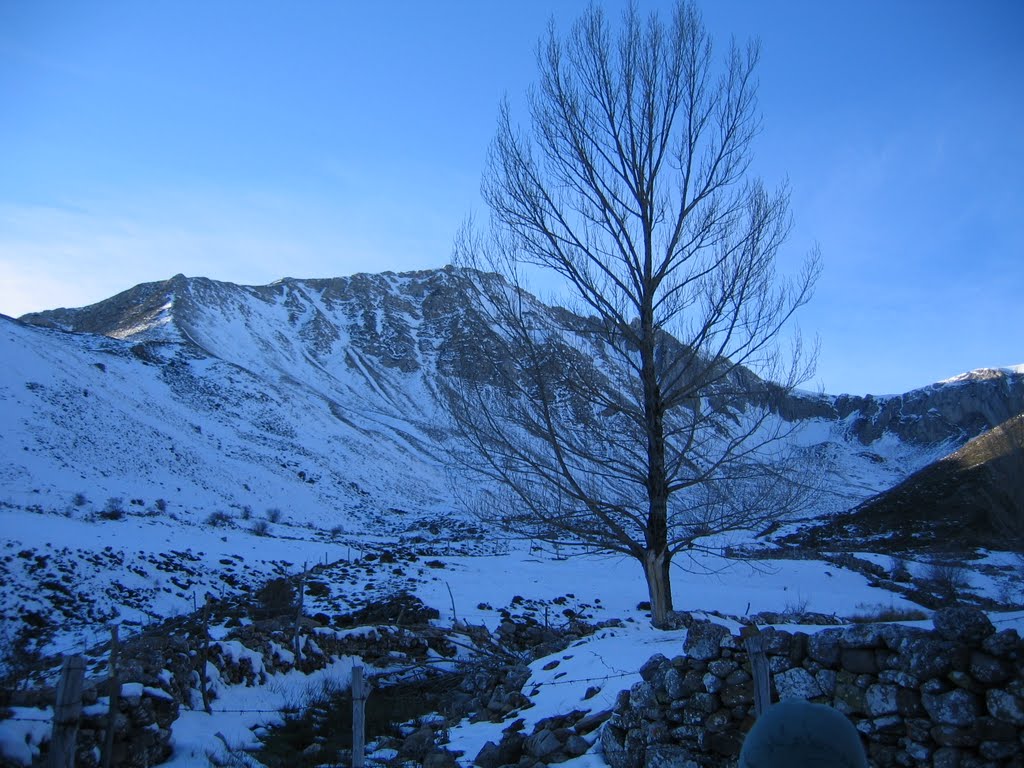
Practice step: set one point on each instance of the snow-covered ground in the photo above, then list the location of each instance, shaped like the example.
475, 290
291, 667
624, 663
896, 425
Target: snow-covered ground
470, 589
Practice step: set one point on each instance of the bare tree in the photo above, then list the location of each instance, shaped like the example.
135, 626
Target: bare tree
633, 424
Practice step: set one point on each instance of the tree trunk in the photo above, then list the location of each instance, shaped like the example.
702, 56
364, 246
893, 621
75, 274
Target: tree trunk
659, 586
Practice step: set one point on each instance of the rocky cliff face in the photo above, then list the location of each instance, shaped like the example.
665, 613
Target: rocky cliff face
954, 410
413, 322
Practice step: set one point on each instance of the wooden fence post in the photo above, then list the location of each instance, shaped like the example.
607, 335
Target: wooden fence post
114, 692
298, 614
754, 642
204, 657
358, 718
66, 712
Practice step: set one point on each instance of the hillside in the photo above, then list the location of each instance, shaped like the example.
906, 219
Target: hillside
974, 497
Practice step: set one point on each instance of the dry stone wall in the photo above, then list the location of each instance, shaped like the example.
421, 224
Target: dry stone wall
951, 697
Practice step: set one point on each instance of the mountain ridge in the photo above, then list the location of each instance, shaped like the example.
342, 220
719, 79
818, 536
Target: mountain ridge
955, 409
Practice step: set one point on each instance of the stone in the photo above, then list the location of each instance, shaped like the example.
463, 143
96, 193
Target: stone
617, 753
946, 757
776, 641
849, 697
902, 679
651, 666
703, 640
860, 661
989, 670
489, 756
797, 683
963, 680
706, 702
957, 707
717, 721
542, 744
722, 667
728, 744
963, 624
641, 696
908, 703
918, 728
880, 699
919, 752
863, 636
926, 657
738, 677
667, 756
826, 680
656, 733
888, 724
693, 681
417, 743
511, 746
732, 695
673, 682
591, 721
439, 758
576, 745
1004, 706
998, 750
823, 647
712, 683
951, 736
1002, 644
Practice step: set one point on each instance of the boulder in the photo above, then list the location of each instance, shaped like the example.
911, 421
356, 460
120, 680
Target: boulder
703, 640
957, 707
1004, 706
797, 683
962, 624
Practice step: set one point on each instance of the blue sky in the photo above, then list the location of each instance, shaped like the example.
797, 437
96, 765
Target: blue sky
248, 141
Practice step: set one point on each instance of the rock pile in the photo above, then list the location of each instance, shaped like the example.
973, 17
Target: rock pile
553, 740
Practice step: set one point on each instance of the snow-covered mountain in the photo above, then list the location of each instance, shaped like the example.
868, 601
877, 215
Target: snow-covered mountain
321, 397
311, 410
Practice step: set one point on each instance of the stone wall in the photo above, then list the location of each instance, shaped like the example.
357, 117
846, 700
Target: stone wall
952, 697
160, 676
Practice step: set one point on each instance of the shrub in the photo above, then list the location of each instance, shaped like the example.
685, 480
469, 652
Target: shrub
274, 515
947, 577
160, 505
261, 528
114, 510
246, 512
219, 519
796, 608
79, 499
898, 570
277, 595
317, 589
